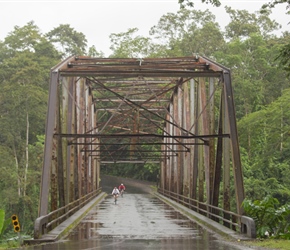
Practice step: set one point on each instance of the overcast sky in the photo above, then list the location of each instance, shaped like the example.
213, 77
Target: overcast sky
97, 19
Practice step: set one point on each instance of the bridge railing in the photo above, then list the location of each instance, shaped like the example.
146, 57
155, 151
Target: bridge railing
48, 222
229, 219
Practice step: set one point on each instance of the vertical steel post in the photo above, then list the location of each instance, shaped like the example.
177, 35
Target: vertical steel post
98, 162
219, 155
186, 156
49, 131
226, 159
77, 187
180, 155
171, 160
80, 130
194, 149
211, 129
237, 167
71, 148
205, 130
65, 123
168, 162
199, 156
175, 132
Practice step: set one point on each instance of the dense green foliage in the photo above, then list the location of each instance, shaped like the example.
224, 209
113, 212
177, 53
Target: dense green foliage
271, 220
190, 3
247, 46
270, 4
3, 223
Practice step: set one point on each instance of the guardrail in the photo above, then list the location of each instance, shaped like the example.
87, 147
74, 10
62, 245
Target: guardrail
234, 221
48, 222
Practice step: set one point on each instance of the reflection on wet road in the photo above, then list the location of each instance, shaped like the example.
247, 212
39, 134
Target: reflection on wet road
136, 216
137, 221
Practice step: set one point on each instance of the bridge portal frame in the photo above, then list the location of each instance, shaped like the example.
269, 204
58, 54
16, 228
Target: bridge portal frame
198, 144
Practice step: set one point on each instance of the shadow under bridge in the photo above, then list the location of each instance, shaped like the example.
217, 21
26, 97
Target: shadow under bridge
175, 112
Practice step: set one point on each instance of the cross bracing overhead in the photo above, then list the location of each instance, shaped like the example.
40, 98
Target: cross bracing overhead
175, 112
132, 101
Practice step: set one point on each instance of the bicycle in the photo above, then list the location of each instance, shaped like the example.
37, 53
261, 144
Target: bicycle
122, 192
115, 198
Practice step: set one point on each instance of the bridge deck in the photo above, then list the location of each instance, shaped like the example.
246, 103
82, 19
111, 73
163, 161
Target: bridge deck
138, 220
135, 216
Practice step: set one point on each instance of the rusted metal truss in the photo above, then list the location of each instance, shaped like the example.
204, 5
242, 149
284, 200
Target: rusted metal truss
177, 112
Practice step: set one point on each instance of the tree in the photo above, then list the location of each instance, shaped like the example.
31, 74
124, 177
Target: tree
67, 40
188, 32
181, 34
26, 59
217, 3
128, 44
190, 3
284, 56
94, 53
265, 9
274, 3
8, 178
267, 145
27, 37
254, 70
243, 24
27, 50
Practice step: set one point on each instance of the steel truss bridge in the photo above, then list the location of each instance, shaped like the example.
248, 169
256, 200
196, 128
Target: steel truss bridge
175, 112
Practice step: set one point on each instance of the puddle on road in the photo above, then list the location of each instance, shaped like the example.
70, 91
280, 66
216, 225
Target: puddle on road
136, 217
140, 222
137, 222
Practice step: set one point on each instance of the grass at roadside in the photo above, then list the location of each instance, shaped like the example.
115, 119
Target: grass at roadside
271, 244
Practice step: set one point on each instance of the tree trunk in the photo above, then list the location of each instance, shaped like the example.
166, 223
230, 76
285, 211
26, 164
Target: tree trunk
281, 134
26, 154
17, 171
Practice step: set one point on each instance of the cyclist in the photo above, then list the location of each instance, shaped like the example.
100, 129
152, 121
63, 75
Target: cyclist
122, 189
115, 193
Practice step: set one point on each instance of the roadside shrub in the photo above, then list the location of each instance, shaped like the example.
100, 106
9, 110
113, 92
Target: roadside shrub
271, 220
3, 223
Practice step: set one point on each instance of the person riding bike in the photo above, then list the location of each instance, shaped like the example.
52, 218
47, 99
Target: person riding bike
115, 192
122, 188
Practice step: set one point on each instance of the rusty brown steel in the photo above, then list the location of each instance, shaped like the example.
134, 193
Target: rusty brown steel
237, 168
106, 110
186, 156
218, 159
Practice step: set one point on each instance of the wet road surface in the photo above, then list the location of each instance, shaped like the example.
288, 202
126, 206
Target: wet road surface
138, 221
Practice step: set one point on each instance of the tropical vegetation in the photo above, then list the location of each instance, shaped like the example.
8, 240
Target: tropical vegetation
249, 46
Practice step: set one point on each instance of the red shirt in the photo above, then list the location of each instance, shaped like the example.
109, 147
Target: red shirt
121, 187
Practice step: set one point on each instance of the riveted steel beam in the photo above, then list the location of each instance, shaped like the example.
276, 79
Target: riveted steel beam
138, 111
